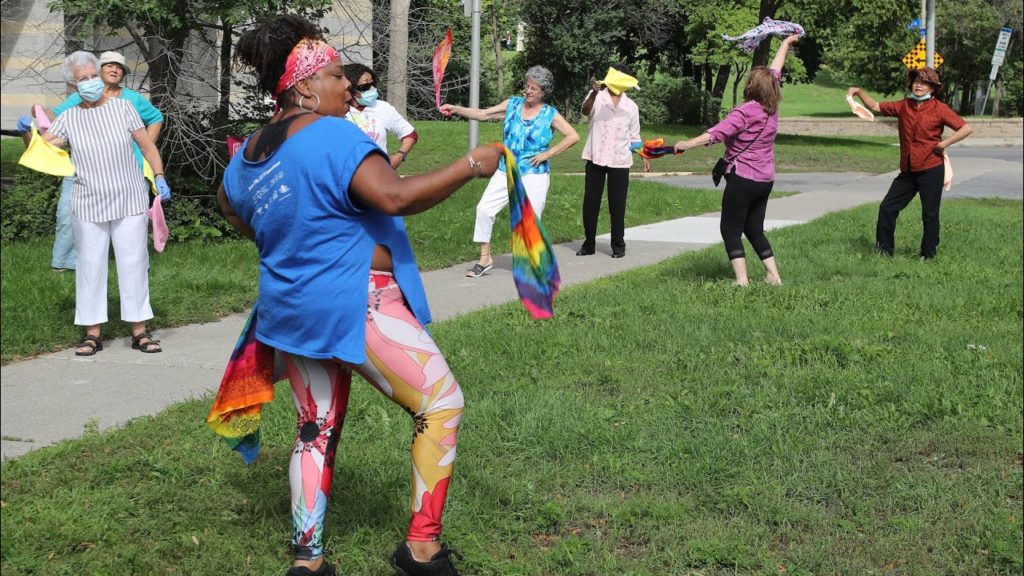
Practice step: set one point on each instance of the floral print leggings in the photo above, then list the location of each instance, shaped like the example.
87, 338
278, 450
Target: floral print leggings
404, 364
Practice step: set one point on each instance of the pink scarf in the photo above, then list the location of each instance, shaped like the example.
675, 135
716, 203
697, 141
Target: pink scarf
306, 59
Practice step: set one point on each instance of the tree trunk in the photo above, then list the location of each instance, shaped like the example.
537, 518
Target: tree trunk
763, 51
965, 99
496, 41
224, 100
721, 81
707, 78
741, 69
398, 55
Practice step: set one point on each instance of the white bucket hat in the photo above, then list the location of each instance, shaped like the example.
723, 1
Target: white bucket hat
114, 58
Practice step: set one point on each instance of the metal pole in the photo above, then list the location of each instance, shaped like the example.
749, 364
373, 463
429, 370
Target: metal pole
984, 102
474, 76
924, 17
930, 35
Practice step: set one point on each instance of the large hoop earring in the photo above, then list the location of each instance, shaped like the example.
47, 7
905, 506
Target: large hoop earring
315, 108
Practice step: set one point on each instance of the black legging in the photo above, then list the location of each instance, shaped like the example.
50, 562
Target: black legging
743, 206
928, 183
593, 191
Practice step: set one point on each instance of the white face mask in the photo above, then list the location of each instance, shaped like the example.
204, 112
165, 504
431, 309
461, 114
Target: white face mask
921, 98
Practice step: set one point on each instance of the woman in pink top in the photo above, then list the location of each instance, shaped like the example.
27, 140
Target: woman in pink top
749, 136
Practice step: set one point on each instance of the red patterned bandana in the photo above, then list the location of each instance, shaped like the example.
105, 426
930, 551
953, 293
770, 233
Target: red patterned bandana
306, 59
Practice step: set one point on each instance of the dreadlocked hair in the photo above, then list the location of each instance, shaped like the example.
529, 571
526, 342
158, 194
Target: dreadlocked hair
266, 47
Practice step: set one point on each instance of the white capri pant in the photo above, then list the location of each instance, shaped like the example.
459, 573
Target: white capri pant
495, 198
131, 254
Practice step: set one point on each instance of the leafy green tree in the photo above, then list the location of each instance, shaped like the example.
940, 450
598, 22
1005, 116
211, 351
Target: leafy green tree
867, 42
578, 39
965, 37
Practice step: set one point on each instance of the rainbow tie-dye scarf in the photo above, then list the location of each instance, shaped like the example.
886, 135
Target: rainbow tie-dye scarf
247, 385
533, 262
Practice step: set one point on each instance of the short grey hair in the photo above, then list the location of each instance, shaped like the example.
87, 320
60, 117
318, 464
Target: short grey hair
543, 77
77, 60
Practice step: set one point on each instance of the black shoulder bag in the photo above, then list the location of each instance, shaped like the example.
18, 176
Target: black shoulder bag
719, 170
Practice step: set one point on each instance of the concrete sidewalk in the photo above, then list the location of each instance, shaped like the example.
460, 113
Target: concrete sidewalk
55, 397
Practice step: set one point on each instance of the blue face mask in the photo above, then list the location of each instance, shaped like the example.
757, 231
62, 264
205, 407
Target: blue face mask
921, 98
91, 90
368, 98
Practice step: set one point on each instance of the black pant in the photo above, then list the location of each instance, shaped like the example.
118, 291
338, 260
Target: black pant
929, 184
593, 191
743, 206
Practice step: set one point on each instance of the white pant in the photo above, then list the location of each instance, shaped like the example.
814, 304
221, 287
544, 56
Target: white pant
131, 254
495, 198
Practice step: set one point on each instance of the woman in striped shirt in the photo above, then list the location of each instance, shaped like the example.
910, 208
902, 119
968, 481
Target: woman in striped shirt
108, 204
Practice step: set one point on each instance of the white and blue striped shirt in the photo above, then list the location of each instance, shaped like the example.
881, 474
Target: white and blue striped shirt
108, 181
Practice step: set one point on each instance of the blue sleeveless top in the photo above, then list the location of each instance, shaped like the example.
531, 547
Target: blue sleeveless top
315, 244
526, 138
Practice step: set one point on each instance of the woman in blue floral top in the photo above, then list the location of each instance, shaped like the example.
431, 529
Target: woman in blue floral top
528, 134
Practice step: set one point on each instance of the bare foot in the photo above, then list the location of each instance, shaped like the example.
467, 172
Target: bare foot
773, 279
743, 282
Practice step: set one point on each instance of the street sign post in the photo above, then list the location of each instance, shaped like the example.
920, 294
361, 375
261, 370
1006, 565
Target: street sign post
998, 55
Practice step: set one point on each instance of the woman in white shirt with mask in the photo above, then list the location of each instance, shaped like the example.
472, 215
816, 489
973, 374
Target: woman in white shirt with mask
376, 117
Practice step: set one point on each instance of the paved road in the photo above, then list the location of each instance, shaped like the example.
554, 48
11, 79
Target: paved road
56, 396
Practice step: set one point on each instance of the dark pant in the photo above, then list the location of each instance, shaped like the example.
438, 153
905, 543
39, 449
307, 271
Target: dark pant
593, 191
929, 184
743, 206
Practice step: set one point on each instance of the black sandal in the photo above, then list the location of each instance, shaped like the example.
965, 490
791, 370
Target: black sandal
146, 347
478, 270
93, 343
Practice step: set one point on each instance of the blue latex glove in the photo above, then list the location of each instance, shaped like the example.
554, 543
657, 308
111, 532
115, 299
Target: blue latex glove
24, 123
163, 189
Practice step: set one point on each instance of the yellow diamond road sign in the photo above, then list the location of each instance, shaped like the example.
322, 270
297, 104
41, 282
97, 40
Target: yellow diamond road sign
917, 58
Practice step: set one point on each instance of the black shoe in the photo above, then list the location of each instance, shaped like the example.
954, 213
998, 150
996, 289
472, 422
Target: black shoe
618, 253
584, 251
440, 564
325, 570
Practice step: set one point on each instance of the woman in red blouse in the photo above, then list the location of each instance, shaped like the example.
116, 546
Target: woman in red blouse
922, 118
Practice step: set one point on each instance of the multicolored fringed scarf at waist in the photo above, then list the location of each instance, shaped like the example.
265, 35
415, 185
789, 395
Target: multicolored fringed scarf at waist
533, 263
247, 385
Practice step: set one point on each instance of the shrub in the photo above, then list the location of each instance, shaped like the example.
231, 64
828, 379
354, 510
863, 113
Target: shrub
28, 208
669, 99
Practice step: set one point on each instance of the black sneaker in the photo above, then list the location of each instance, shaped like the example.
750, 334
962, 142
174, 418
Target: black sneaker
440, 564
325, 570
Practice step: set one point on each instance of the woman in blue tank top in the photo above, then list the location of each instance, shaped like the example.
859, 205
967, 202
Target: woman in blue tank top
339, 290
528, 134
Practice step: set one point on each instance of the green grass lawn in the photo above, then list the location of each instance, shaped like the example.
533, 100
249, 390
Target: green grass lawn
825, 97
865, 418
